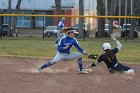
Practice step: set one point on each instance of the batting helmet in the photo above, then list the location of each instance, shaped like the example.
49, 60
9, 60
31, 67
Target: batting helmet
106, 46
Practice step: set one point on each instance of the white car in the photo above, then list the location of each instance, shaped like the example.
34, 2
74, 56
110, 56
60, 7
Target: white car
50, 31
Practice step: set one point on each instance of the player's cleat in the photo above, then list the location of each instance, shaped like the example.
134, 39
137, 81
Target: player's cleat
55, 45
130, 72
83, 72
39, 70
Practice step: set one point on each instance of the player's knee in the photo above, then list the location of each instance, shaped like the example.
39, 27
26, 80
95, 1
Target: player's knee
54, 61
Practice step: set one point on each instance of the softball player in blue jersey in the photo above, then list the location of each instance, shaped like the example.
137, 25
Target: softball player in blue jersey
110, 59
60, 26
63, 52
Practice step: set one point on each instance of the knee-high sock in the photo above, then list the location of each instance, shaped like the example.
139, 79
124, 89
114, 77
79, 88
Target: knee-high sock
46, 65
80, 64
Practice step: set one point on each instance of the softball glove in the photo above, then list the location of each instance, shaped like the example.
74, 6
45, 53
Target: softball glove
93, 56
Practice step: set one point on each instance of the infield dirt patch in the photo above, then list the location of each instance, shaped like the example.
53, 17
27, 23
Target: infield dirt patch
18, 75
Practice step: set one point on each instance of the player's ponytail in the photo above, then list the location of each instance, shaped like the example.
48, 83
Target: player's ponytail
109, 54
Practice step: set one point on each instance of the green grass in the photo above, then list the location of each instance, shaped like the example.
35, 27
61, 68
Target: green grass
36, 47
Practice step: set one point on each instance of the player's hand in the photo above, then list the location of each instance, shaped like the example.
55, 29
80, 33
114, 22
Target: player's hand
92, 65
85, 52
113, 37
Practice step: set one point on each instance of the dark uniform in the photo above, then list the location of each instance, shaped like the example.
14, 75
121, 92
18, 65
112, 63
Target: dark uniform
113, 64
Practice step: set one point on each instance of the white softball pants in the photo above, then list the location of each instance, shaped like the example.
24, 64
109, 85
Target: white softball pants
63, 56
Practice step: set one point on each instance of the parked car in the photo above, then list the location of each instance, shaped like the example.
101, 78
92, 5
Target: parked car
50, 31
126, 31
138, 28
106, 30
4, 30
76, 26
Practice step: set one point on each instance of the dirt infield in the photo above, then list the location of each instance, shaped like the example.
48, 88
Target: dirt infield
18, 75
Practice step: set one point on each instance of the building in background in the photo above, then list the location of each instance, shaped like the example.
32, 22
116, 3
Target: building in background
69, 7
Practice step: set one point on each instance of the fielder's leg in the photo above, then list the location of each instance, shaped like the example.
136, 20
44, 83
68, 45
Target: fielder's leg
44, 66
56, 59
78, 56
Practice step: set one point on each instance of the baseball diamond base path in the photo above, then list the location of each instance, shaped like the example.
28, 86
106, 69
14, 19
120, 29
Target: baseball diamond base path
18, 75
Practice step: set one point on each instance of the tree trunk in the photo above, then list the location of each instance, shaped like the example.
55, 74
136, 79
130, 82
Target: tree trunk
101, 21
10, 18
15, 18
138, 12
58, 8
133, 21
33, 20
81, 20
111, 13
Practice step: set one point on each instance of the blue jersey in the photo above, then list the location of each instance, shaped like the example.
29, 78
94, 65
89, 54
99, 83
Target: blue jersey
66, 40
60, 25
109, 62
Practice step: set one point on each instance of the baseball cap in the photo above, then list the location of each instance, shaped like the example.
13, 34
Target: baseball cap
73, 31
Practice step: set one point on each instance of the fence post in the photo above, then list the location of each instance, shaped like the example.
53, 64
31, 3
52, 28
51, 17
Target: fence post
43, 27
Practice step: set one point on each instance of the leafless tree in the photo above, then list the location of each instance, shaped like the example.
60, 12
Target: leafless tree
15, 18
81, 20
10, 19
101, 21
134, 9
111, 5
58, 7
